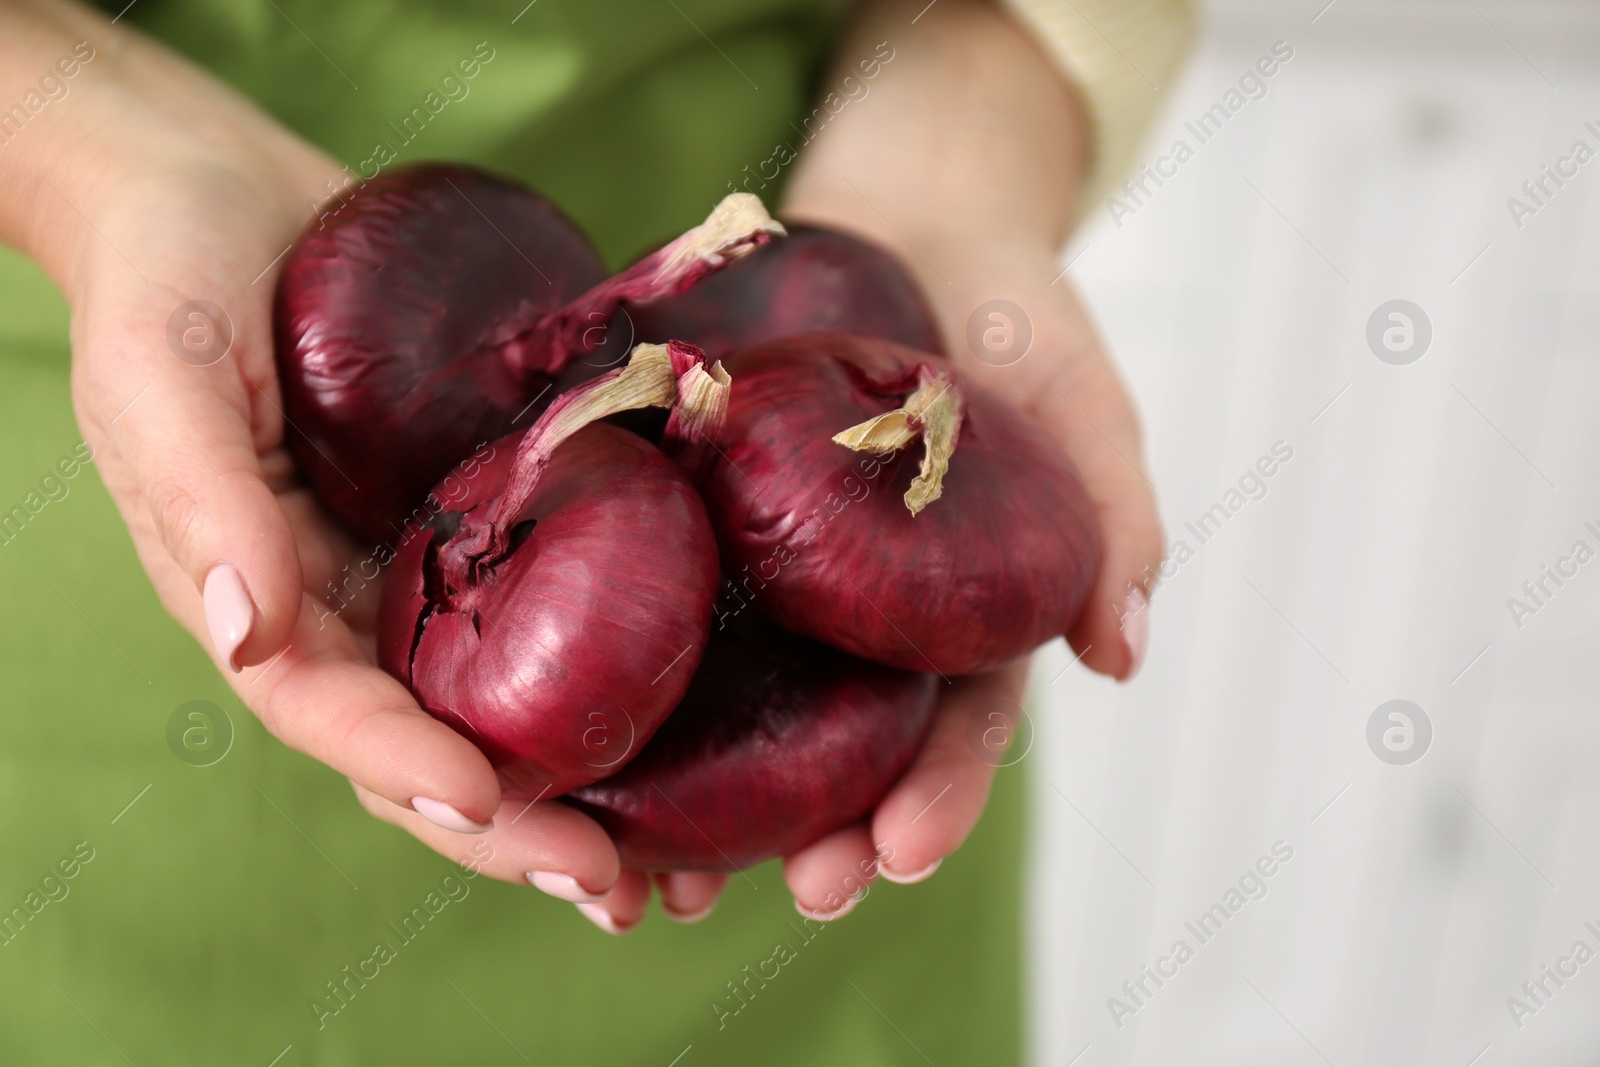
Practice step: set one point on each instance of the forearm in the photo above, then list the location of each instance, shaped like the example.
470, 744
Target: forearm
129, 108
48, 55
997, 133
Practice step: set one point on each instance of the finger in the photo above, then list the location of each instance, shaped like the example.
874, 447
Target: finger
529, 840
189, 436
829, 878
689, 896
320, 697
624, 907
1090, 413
935, 805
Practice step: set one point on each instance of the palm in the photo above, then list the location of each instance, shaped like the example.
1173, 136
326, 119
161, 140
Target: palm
189, 437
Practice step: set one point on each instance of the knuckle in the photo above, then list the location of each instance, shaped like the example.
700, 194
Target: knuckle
273, 704
178, 513
268, 713
378, 807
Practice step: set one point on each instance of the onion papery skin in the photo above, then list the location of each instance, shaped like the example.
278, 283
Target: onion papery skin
813, 279
824, 543
778, 742
561, 662
397, 325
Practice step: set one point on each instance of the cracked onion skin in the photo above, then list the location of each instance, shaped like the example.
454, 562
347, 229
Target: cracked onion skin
814, 279
565, 658
778, 742
1002, 562
397, 327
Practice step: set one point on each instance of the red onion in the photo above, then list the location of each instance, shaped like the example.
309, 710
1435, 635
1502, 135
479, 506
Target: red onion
961, 563
778, 742
425, 316
814, 279
555, 614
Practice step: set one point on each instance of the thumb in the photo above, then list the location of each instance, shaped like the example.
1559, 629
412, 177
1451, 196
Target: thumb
1095, 421
179, 398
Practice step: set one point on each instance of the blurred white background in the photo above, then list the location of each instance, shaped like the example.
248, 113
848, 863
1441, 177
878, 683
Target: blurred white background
1378, 565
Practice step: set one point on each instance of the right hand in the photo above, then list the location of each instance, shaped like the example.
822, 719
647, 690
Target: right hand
150, 185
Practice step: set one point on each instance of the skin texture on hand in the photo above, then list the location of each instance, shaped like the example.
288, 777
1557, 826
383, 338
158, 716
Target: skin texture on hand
964, 159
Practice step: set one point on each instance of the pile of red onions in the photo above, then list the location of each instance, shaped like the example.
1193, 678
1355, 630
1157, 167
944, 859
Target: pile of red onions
722, 637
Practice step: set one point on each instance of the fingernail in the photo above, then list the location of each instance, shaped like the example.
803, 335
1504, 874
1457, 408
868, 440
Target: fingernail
828, 916
565, 887
685, 917
689, 918
914, 877
603, 919
1135, 630
442, 814
229, 612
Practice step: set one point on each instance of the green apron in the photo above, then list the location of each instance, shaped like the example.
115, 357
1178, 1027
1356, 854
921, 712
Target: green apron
153, 911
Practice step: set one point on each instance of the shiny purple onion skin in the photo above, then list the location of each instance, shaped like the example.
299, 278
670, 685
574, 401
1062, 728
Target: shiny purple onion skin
394, 318
778, 742
998, 565
564, 662
814, 279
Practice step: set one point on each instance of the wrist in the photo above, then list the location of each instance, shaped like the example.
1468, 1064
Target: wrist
46, 66
970, 136
136, 118
944, 242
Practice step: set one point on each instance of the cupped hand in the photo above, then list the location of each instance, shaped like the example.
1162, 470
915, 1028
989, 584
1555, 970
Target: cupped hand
165, 189
1064, 379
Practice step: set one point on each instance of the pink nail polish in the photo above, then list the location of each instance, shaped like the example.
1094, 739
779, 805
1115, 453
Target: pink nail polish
229, 613
828, 916
914, 877
685, 917
603, 919
442, 814
564, 887
689, 918
1135, 630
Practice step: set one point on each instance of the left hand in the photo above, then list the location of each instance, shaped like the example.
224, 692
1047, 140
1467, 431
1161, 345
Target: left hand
153, 185
963, 157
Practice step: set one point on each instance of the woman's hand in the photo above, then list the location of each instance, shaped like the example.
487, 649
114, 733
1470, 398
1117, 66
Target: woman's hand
964, 158
149, 186
962, 154
1067, 382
